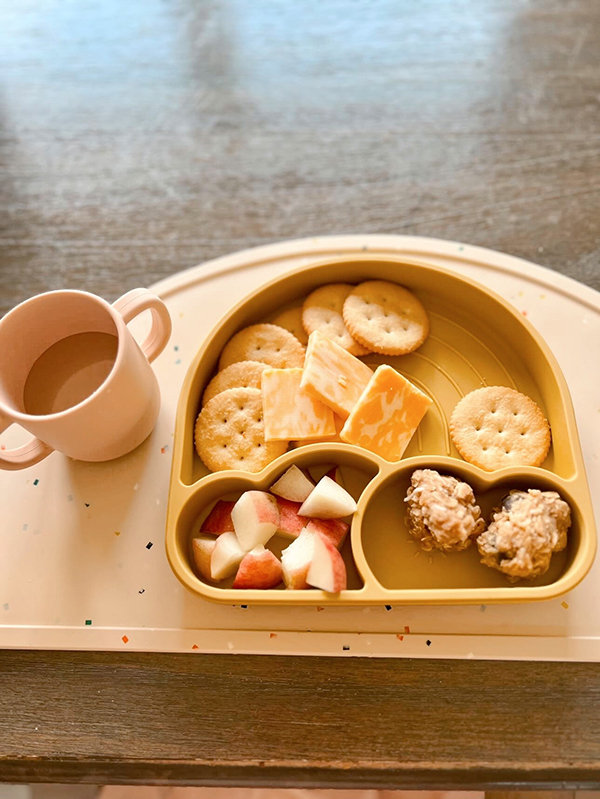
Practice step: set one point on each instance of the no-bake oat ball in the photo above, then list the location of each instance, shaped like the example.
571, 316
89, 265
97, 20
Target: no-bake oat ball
524, 532
442, 512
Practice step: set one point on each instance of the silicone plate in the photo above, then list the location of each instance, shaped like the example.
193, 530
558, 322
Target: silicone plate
476, 339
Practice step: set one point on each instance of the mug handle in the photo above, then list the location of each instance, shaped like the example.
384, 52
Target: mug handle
20, 458
138, 300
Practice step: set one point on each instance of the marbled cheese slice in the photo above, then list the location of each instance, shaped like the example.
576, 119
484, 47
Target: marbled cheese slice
332, 375
338, 422
387, 414
289, 411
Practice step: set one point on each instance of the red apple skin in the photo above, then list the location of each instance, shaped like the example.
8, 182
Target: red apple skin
289, 522
295, 561
202, 549
218, 520
258, 571
337, 577
333, 529
336, 475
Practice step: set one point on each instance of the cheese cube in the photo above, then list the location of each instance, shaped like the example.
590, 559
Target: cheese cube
387, 414
289, 412
332, 375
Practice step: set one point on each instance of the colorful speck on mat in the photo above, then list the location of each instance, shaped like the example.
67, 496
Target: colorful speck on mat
36, 482
195, 646
125, 639
400, 637
149, 545
564, 605
272, 635
88, 622
407, 629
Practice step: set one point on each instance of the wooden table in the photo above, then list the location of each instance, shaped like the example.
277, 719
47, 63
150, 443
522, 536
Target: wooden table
139, 138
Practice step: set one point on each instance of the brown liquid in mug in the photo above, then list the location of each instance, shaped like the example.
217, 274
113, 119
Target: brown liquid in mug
68, 372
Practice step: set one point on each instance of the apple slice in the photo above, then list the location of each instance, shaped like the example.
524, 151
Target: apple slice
327, 569
327, 500
333, 529
255, 518
296, 560
219, 519
202, 548
291, 523
335, 474
293, 485
258, 569
226, 556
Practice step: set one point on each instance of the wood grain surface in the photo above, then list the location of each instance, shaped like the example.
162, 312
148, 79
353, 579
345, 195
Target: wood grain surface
139, 138
227, 719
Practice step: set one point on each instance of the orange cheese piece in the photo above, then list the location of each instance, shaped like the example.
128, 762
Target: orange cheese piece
332, 375
289, 412
387, 414
335, 438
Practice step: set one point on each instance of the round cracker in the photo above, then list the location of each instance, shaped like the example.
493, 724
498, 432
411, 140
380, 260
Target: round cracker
268, 344
243, 374
230, 432
496, 426
386, 318
292, 320
322, 310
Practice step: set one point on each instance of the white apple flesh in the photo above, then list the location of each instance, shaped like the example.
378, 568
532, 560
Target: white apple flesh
327, 500
202, 548
255, 519
296, 560
293, 485
226, 556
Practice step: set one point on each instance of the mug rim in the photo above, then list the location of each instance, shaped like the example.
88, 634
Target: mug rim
19, 416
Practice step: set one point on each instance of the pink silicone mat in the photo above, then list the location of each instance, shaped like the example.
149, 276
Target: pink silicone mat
84, 566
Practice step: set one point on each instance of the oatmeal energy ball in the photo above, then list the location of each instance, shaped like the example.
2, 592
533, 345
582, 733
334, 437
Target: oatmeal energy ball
442, 512
524, 532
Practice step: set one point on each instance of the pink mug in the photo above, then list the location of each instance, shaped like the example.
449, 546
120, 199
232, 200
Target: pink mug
72, 374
